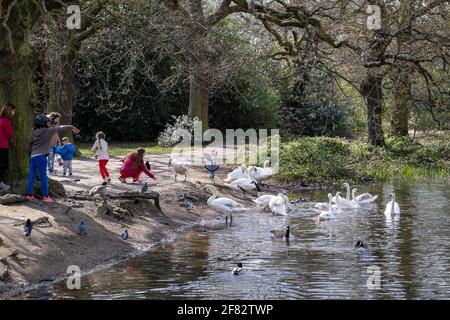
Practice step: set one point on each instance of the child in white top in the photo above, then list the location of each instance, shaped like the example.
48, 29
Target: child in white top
101, 154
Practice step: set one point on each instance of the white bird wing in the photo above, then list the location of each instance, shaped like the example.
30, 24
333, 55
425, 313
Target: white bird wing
227, 202
235, 174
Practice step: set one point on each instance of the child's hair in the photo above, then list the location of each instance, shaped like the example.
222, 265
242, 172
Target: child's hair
53, 116
65, 139
7, 110
100, 135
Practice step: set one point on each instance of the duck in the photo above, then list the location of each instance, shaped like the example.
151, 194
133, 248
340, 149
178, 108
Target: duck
366, 198
281, 233
279, 205
262, 173
328, 214
237, 270
245, 184
179, 166
222, 205
241, 172
392, 207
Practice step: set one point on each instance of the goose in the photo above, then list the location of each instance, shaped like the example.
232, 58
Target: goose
328, 214
241, 172
392, 207
222, 205
279, 205
245, 184
262, 173
366, 198
237, 269
281, 233
179, 166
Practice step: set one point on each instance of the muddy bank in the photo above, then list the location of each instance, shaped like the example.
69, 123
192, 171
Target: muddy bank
56, 244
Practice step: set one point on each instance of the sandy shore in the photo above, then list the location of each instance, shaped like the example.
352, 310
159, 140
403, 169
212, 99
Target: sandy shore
56, 245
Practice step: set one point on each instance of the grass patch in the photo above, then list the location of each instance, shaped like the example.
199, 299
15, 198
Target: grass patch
122, 149
334, 160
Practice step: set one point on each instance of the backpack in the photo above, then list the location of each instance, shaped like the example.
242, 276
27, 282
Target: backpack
41, 121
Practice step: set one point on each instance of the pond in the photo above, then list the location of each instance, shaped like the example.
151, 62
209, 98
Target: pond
319, 262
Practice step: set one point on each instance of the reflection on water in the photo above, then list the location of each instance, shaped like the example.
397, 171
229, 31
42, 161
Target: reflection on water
319, 262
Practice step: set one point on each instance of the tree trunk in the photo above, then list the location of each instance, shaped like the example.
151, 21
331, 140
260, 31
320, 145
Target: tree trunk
198, 102
402, 76
372, 91
402, 101
16, 86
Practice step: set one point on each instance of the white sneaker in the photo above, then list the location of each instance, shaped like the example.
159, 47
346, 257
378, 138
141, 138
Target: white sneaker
4, 186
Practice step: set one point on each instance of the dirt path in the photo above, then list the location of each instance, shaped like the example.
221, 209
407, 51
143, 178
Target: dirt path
56, 245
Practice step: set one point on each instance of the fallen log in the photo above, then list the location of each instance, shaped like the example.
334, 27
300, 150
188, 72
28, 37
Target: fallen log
12, 198
36, 222
119, 196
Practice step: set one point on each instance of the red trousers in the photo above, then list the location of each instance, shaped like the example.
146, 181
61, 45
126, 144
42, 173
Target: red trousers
103, 171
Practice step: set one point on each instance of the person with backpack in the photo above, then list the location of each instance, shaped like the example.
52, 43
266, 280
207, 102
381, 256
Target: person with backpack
38, 149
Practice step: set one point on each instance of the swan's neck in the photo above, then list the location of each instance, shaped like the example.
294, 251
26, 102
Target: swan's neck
337, 202
354, 195
214, 196
347, 196
393, 204
330, 204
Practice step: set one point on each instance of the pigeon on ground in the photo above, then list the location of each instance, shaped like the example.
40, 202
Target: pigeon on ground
82, 228
125, 235
27, 228
144, 188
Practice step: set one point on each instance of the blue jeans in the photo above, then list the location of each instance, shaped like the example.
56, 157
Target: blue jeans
38, 164
51, 159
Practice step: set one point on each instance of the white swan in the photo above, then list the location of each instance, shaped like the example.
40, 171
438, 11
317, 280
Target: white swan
328, 214
279, 205
245, 184
366, 198
347, 194
241, 172
179, 166
336, 207
263, 173
222, 205
392, 207
263, 201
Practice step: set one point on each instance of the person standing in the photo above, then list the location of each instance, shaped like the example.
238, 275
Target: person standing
100, 148
6, 132
67, 151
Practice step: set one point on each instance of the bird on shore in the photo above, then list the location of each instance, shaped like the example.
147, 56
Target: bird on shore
82, 228
144, 188
184, 202
99, 191
281, 233
241, 172
27, 229
147, 165
179, 166
237, 270
212, 167
125, 235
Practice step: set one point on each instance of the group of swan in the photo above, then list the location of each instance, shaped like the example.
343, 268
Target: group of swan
327, 211
258, 174
278, 205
